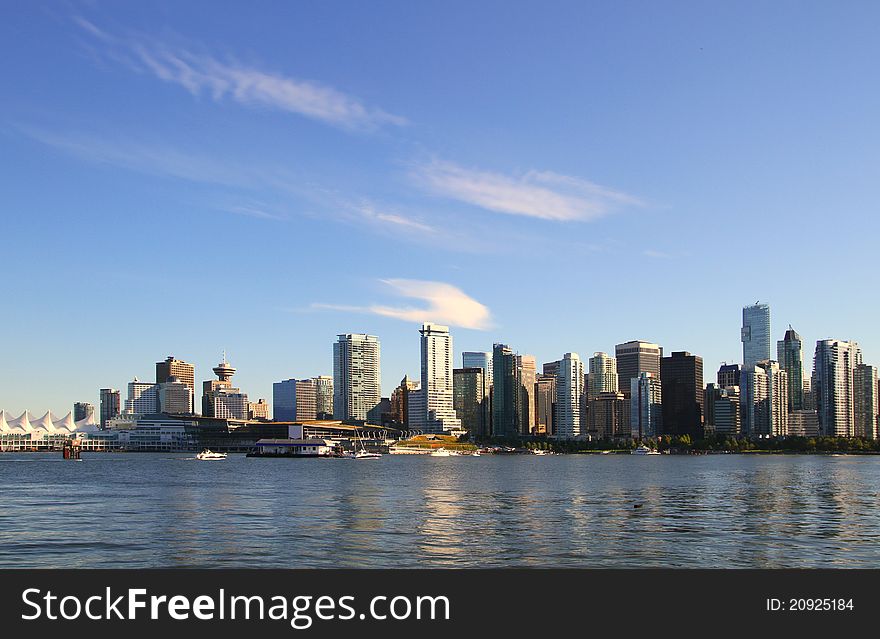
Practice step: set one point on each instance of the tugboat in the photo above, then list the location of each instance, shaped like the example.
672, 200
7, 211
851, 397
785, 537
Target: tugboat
209, 455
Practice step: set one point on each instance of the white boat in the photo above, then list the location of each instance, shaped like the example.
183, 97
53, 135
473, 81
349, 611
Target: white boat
540, 451
644, 450
476, 453
208, 455
441, 452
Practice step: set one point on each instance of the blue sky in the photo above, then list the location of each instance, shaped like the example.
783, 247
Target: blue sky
179, 178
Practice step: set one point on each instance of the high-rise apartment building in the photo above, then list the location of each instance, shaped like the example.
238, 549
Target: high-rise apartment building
400, 399
755, 334
505, 392
681, 376
323, 396
790, 355
184, 371
607, 416
834, 366
437, 382
646, 406
356, 376
603, 375
83, 410
111, 404
569, 389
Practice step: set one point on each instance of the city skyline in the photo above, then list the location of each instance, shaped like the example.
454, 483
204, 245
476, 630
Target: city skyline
170, 167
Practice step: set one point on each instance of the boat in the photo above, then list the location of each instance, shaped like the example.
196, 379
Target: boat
476, 453
441, 452
540, 451
362, 452
208, 455
644, 450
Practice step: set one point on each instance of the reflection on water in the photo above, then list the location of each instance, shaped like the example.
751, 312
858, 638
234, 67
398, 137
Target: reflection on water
148, 510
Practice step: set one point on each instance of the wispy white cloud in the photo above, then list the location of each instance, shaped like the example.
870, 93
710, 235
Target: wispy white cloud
202, 73
538, 194
442, 303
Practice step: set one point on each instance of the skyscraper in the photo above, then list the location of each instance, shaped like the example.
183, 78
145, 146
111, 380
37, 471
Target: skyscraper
728, 375
470, 399
790, 355
294, 400
681, 376
479, 359
834, 366
505, 417
603, 375
184, 371
722, 410
437, 354
111, 404
526, 373
646, 410
174, 397
545, 404
323, 396
569, 388
633, 359
356, 376
400, 400
865, 398
224, 372
607, 417
142, 398
755, 334
83, 410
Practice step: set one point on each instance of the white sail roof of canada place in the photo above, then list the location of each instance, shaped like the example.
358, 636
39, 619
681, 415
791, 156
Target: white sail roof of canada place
65, 423
48, 424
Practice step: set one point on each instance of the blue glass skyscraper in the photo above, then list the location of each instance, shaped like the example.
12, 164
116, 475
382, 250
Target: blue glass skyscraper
756, 334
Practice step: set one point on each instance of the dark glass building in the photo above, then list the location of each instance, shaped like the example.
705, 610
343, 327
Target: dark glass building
681, 376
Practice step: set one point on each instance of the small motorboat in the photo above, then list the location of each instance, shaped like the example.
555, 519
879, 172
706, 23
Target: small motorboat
644, 450
209, 455
441, 452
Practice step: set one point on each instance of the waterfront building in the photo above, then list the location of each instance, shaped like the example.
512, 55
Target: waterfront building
323, 396
602, 376
764, 400
142, 398
224, 372
866, 410
380, 414
294, 400
258, 410
356, 376
479, 359
755, 333
111, 404
790, 355
834, 366
174, 397
728, 375
416, 409
230, 403
83, 410
436, 378
607, 416
722, 410
526, 374
471, 399
646, 406
681, 376
545, 404
569, 389
505, 392
400, 398
184, 371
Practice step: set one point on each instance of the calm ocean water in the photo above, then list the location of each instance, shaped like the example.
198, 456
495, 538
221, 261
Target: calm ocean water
168, 510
